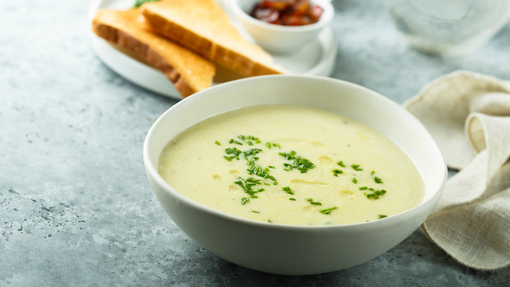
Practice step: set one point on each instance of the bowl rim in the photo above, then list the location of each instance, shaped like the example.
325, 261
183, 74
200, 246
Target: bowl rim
325, 19
152, 172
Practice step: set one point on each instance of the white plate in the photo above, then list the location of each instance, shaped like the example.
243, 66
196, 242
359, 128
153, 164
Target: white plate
317, 58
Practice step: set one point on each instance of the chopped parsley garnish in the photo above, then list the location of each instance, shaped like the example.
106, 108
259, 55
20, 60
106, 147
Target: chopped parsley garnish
234, 152
337, 171
247, 185
302, 164
313, 202
288, 190
249, 139
270, 145
356, 167
232, 141
250, 152
296, 162
259, 171
269, 220
376, 194
328, 210
254, 211
382, 216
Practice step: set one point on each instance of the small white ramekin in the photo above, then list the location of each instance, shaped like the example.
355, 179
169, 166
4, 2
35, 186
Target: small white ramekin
276, 38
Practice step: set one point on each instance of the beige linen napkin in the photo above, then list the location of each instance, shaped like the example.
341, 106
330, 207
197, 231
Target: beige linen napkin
468, 115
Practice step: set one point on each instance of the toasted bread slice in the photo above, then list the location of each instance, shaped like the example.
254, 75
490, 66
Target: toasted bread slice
188, 71
202, 26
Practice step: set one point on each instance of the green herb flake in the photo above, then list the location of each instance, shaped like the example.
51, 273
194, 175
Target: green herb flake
244, 200
354, 180
378, 180
376, 194
356, 167
341, 163
232, 141
337, 171
262, 172
373, 172
248, 184
254, 211
299, 163
270, 166
268, 145
233, 154
382, 216
217, 142
269, 220
139, 3
251, 152
313, 202
249, 139
288, 190
363, 188
328, 210
292, 198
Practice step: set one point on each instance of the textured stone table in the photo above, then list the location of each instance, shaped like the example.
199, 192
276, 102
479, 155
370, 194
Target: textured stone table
75, 205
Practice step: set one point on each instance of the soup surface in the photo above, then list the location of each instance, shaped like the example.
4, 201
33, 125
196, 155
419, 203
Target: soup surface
291, 165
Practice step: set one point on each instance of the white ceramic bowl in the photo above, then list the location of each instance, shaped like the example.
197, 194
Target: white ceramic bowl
291, 249
277, 38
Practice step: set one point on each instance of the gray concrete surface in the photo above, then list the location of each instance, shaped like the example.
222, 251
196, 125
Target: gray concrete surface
75, 205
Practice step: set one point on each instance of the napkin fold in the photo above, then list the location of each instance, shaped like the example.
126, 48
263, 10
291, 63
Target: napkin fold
468, 115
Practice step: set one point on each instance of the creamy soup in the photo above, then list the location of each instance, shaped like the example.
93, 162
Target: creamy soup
291, 165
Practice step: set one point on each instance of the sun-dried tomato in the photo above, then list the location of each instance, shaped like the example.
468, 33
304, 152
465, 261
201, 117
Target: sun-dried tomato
287, 12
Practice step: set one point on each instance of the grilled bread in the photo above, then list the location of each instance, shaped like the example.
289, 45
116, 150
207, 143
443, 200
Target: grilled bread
188, 71
203, 27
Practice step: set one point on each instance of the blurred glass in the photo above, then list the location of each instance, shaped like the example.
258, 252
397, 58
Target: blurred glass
447, 27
